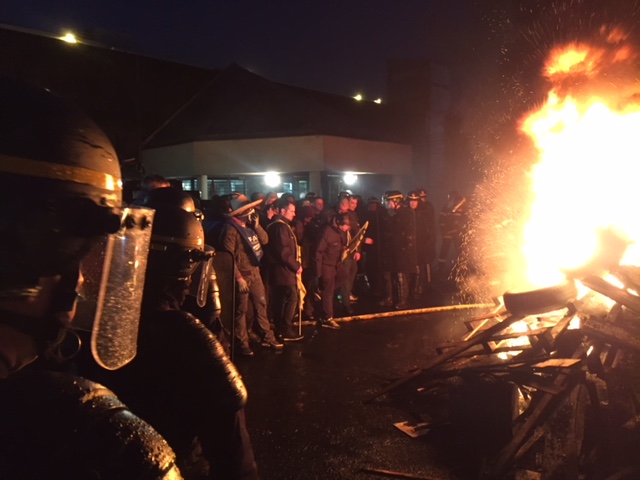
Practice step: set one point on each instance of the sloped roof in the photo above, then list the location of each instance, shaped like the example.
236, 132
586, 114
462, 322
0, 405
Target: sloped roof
238, 104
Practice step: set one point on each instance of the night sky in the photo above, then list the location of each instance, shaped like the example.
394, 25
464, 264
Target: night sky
494, 48
336, 46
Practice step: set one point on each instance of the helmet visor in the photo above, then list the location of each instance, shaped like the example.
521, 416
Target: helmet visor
114, 274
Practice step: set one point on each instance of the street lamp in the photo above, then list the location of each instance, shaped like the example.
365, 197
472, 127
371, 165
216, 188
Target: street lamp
272, 179
349, 178
69, 38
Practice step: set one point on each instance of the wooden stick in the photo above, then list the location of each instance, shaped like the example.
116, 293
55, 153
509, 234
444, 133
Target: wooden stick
392, 474
417, 311
399, 313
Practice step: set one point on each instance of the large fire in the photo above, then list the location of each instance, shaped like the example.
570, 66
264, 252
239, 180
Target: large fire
586, 181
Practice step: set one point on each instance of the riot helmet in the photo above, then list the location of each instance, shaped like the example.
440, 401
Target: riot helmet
413, 196
172, 197
177, 250
60, 199
177, 244
394, 197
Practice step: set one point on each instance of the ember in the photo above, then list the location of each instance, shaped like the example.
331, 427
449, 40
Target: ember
569, 352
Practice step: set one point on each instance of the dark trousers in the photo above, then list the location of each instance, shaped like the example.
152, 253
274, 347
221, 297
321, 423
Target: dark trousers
345, 288
284, 303
309, 281
232, 453
328, 282
256, 295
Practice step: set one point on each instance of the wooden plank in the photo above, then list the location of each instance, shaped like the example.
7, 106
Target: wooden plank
535, 412
616, 334
557, 363
439, 360
619, 295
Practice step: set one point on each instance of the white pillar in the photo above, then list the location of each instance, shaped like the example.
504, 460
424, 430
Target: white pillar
204, 184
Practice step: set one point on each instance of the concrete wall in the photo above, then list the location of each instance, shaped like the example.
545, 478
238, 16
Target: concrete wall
288, 154
352, 155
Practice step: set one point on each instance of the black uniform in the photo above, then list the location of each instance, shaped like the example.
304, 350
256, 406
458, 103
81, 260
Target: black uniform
404, 241
184, 384
62, 426
404, 251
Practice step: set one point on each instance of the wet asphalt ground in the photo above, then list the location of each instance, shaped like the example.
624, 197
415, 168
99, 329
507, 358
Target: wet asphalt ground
307, 412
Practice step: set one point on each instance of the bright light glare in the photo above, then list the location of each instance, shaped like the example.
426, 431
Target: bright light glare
272, 179
350, 178
69, 38
358, 97
377, 100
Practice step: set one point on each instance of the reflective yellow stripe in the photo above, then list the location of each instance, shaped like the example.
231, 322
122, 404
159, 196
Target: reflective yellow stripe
56, 171
198, 242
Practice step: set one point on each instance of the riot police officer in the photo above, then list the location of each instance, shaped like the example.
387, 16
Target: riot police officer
400, 234
426, 238
392, 199
60, 197
404, 249
182, 381
452, 223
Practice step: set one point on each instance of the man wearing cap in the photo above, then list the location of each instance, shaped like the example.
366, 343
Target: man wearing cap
243, 237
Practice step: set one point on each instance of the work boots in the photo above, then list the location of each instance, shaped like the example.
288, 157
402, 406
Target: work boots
402, 286
387, 285
416, 284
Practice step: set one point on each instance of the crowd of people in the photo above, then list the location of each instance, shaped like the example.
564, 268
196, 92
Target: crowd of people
169, 289
282, 261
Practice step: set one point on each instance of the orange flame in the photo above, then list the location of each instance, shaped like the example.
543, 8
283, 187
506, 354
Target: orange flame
589, 169
571, 60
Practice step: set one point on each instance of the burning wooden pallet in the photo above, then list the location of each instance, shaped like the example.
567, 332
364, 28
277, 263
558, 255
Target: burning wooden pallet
567, 377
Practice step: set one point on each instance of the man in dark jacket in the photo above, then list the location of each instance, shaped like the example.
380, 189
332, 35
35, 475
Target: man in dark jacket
284, 269
328, 256
244, 238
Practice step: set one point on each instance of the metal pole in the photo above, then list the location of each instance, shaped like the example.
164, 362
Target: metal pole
233, 311
300, 316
